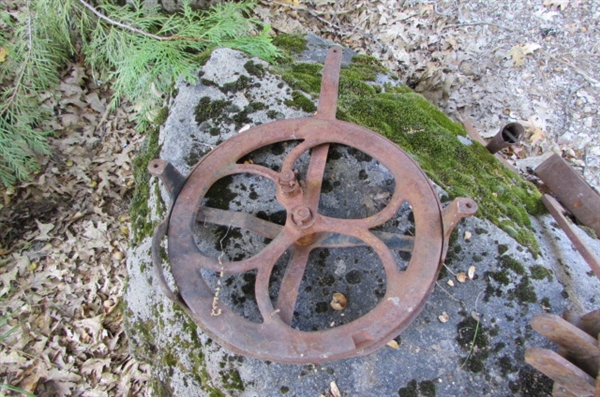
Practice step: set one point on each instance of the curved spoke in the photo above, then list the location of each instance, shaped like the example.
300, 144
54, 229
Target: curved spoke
394, 241
355, 228
290, 284
264, 259
242, 220
254, 169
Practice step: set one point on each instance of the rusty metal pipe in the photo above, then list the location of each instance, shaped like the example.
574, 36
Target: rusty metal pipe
508, 135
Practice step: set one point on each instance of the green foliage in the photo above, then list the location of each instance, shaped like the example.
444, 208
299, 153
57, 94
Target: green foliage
145, 67
39, 44
137, 49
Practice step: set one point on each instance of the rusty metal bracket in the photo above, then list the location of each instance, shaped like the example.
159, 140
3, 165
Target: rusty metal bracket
305, 229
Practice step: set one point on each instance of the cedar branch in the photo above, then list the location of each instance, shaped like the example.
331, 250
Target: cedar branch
136, 30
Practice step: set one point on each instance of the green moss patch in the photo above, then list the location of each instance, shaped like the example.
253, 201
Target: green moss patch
473, 337
300, 101
255, 69
431, 138
421, 389
290, 44
540, 272
208, 109
139, 212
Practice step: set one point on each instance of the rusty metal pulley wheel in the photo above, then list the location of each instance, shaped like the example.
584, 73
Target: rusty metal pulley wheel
305, 230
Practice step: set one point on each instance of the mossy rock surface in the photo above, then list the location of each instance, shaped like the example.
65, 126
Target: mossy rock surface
440, 146
479, 351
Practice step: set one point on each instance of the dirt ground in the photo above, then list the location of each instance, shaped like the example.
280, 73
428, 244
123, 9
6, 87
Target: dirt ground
63, 235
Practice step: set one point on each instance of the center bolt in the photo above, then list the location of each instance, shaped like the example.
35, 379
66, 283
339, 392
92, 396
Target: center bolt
302, 216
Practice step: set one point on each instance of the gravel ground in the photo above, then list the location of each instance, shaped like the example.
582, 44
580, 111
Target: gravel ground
487, 62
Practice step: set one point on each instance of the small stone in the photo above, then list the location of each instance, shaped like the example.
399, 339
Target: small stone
444, 317
461, 277
450, 283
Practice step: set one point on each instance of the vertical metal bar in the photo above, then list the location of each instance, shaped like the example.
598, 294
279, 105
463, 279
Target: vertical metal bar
329, 84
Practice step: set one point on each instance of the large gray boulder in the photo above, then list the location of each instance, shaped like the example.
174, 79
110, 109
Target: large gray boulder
469, 339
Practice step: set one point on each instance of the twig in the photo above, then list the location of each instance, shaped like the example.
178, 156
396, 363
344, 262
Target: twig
134, 29
447, 268
567, 109
449, 294
578, 70
475, 334
472, 345
435, 9
215, 311
459, 25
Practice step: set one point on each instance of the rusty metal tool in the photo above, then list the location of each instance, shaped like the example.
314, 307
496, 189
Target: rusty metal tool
305, 230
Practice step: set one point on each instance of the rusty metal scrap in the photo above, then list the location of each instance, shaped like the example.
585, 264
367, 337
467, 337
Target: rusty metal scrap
572, 191
557, 212
305, 230
508, 135
574, 368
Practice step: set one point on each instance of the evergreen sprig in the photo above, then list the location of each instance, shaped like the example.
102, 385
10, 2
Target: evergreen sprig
34, 55
139, 50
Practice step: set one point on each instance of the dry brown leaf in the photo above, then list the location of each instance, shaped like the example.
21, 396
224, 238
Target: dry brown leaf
450, 283
461, 277
444, 317
471, 272
393, 344
537, 136
335, 391
95, 366
93, 324
31, 376
518, 52
560, 4
339, 301
44, 228
293, 3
